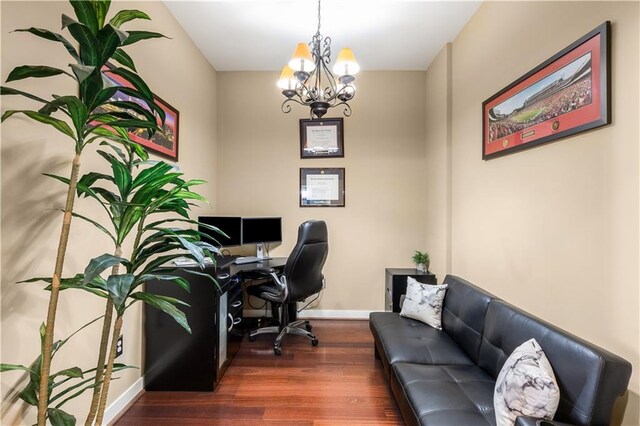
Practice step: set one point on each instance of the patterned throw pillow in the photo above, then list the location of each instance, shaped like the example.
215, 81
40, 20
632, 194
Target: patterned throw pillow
423, 302
526, 386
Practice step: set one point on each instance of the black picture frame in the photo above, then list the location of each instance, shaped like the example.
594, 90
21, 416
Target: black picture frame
545, 104
328, 141
328, 189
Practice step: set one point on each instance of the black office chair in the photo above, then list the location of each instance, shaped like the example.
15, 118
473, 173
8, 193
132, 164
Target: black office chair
302, 277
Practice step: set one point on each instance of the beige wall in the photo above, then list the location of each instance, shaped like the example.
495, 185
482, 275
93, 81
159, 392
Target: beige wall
437, 162
382, 223
553, 229
177, 72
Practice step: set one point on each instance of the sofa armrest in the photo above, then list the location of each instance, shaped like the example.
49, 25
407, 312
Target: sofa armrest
534, 421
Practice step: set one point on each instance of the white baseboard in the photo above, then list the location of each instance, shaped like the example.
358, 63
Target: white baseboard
115, 408
317, 314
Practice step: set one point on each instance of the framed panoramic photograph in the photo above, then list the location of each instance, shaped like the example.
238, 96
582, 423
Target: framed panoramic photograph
321, 138
163, 143
321, 187
567, 94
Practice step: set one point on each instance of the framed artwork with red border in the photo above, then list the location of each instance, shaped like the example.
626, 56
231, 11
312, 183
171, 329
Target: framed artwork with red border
567, 94
164, 144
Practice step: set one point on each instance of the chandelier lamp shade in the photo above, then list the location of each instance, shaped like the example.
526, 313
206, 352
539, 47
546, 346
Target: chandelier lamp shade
308, 79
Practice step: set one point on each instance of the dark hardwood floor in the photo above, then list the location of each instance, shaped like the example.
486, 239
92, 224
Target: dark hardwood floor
338, 382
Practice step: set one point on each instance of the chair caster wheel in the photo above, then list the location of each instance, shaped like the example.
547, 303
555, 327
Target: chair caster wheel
315, 342
277, 351
308, 327
252, 338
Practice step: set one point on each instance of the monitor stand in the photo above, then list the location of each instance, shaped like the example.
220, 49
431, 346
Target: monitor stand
260, 251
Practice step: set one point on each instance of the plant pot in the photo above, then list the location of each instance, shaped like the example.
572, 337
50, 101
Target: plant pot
421, 267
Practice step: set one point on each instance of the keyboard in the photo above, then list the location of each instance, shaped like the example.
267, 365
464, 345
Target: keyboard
250, 259
185, 261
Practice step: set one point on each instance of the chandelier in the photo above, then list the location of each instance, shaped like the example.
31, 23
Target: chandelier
307, 79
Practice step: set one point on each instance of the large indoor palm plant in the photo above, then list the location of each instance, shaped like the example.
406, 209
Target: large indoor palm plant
93, 114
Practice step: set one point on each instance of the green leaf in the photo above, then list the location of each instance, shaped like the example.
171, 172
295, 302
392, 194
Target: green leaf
85, 38
102, 8
34, 71
86, 14
110, 38
119, 287
102, 95
127, 15
166, 305
56, 416
75, 109
123, 58
134, 79
135, 107
182, 282
131, 124
59, 125
100, 264
12, 367
9, 91
136, 36
140, 151
151, 174
30, 393
82, 72
74, 372
96, 224
130, 217
122, 178
46, 34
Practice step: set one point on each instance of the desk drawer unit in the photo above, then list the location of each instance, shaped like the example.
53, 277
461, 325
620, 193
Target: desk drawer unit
178, 361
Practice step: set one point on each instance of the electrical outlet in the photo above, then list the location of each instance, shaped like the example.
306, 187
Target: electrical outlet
120, 346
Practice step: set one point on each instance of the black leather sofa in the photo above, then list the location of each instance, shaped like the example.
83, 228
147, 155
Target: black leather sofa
447, 377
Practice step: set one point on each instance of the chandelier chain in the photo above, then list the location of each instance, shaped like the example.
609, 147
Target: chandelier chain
319, 17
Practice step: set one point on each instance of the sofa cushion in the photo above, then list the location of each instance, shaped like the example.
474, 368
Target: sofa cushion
408, 340
589, 378
526, 386
463, 315
423, 302
442, 395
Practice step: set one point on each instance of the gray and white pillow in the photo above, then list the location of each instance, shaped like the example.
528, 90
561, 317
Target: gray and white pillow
423, 302
526, 386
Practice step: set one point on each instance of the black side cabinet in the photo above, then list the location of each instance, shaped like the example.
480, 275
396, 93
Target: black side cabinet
178, 361
396, 285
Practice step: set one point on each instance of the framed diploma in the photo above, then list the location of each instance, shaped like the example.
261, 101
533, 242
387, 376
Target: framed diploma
321, 187
321, 138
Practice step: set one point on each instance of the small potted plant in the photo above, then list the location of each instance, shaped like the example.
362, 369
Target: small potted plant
421, 259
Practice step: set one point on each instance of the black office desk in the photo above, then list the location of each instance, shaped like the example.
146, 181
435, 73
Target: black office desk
178, 361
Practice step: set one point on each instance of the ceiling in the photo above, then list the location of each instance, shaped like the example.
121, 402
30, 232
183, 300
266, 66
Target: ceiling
260, 35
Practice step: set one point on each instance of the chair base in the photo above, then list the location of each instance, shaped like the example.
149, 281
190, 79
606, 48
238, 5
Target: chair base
291, 328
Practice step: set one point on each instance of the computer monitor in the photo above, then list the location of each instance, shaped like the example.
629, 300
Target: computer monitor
259, 230
232, 226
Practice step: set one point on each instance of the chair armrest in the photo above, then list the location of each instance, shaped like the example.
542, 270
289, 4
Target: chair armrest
534, 421
270, 273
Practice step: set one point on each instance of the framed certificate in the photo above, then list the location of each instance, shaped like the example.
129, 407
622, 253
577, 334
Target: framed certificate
321, 187
321, 138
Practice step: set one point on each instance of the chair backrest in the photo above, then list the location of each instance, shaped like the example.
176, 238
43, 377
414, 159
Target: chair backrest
304, 265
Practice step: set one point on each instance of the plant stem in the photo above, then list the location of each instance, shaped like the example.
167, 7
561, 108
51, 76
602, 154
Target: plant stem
43, 393
104, 343
107, 373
